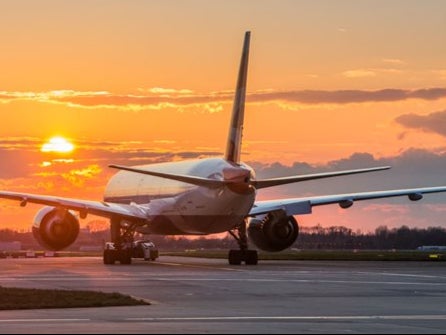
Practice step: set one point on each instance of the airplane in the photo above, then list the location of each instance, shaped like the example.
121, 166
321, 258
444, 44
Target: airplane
195, 197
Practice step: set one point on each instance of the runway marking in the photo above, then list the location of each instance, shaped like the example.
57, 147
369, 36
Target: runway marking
242, 318
42, 320
198, 266
297, 318
400, 274
179, 279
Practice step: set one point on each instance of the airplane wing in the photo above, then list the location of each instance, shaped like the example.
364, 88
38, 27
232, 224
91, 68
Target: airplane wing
294, 206
84, 207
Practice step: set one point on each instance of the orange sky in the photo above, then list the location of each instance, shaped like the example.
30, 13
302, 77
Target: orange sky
152, 81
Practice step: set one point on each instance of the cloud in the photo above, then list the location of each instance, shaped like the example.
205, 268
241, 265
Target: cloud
412, 168
359, 73
212, 102
48, 96
393, 61
433, 123
16, 162
164, 141
78, 177
379, 71
349, 96
22, 158
161, 90
28, 143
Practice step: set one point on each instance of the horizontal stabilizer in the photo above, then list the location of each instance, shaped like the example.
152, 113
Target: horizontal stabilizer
263, 183
258, 184
199, 181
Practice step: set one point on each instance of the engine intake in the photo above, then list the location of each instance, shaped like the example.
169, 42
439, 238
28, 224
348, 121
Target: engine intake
55, 229
274, 231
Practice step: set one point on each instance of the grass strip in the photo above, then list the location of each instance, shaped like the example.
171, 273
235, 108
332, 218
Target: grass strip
12, 298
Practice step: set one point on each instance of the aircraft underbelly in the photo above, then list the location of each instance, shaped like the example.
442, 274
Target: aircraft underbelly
191, 225
198, 213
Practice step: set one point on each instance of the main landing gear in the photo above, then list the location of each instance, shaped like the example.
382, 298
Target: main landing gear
112, 255
236, 257
120, 249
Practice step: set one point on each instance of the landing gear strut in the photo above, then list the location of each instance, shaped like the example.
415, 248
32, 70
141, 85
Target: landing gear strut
120, 249
236, 257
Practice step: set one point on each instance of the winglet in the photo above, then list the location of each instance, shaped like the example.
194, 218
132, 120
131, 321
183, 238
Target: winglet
234, 141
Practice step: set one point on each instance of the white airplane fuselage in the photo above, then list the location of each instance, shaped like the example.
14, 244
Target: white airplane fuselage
178, 208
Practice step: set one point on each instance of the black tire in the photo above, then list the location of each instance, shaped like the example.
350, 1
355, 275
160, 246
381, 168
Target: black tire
251, 257
154, 254
109, 257
235, 257
125, 257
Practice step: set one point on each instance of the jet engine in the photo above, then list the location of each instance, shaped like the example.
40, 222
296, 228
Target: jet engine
274, 231
54, 228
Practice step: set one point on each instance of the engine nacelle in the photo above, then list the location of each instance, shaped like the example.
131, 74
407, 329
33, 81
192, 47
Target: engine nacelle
274, 231
55, 229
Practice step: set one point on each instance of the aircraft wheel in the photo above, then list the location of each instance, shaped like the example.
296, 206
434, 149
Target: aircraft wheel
235, 257
109, 257
125, 257
251, 257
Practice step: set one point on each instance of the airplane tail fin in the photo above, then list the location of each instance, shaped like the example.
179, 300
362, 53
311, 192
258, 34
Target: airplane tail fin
234, 144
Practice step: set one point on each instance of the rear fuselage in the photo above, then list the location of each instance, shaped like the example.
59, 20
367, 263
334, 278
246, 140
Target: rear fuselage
180, 208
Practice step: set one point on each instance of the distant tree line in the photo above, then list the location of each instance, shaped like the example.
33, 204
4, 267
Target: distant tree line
338, 237
317, 237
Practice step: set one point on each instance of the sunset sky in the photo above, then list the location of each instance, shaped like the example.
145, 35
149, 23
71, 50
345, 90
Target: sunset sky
331, 85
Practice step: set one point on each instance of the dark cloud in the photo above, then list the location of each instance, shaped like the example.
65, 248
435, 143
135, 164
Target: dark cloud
90, 143
123, 155
20, 142
434, 122
151, 100
21, 157
349, 96
304, 96
16, 163
413, 168
124, 100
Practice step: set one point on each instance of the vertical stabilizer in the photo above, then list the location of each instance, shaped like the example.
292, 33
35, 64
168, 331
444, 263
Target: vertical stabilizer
234, 145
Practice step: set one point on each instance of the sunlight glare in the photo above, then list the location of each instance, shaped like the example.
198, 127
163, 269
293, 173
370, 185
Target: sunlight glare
57, 144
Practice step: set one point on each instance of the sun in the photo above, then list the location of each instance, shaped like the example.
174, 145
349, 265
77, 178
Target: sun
57, 144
